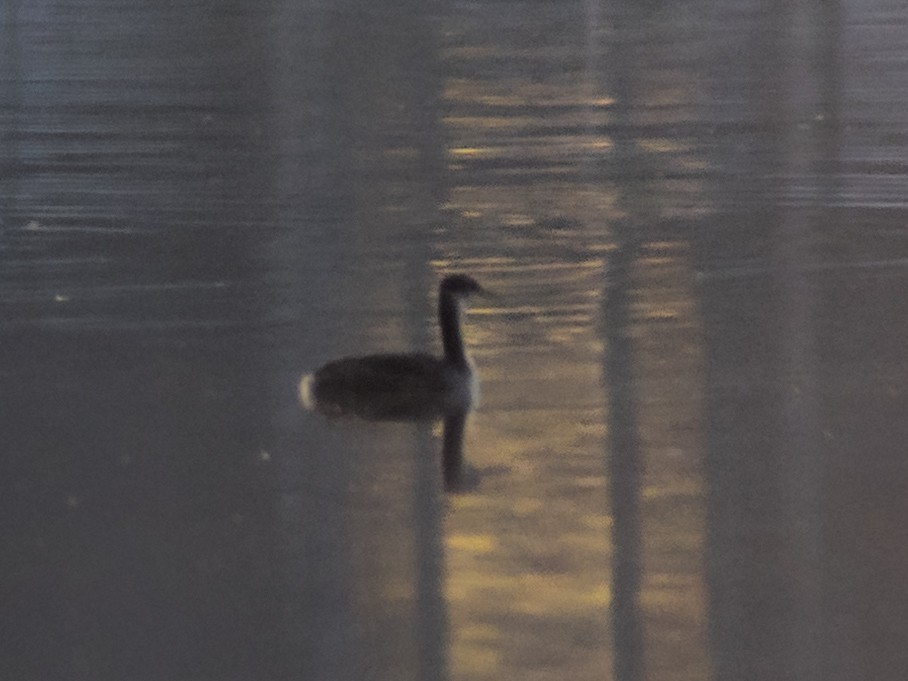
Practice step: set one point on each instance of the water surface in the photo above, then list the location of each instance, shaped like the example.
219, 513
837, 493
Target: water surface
688, 459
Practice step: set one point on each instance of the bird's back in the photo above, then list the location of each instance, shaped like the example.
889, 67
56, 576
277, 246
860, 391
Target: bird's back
387, 386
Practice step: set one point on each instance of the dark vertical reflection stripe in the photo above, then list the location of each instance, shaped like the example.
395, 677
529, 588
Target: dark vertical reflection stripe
310, 146
624, 468
452, 449
351, 199
430, 622
796, 254
624, 449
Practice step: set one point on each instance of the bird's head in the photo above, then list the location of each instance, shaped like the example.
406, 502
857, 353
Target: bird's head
461, 286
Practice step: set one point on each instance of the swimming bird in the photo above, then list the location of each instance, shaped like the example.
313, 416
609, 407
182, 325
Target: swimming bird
408, 386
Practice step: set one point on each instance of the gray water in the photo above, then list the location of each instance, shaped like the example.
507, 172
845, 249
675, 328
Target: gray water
689, 457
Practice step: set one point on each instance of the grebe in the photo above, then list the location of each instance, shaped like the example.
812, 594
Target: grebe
403, 386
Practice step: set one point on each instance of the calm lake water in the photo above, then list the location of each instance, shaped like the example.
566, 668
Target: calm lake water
689, 461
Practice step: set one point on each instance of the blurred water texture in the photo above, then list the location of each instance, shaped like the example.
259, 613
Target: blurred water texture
689, 456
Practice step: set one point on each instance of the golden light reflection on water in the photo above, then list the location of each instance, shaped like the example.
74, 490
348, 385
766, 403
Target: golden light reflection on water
529, 552
521, 92
553, 147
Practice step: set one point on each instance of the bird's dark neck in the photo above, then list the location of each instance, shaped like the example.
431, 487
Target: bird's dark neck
451, 339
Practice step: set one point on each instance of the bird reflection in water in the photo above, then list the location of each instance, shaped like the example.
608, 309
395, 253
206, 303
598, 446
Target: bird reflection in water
409, 386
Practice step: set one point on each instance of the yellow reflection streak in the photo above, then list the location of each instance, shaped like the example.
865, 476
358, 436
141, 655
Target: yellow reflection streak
471, 543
